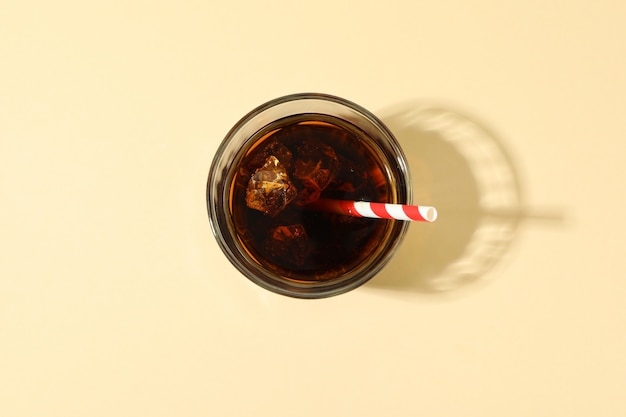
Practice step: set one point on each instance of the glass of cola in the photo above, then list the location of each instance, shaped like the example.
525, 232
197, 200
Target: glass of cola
278, 160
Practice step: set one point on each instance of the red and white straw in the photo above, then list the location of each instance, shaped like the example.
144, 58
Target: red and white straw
377, 210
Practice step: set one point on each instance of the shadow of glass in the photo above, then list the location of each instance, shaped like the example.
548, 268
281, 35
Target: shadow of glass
461, 168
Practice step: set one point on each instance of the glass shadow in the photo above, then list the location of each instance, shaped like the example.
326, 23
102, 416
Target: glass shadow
460, 167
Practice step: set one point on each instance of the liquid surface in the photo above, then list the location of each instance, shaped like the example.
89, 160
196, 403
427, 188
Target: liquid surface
291, 166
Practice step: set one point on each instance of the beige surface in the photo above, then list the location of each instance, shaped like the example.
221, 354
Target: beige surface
114, 296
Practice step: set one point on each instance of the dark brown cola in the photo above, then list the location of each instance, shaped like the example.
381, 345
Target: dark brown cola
293, 163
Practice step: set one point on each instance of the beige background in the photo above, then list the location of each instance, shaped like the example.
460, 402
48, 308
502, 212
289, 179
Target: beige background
116, 301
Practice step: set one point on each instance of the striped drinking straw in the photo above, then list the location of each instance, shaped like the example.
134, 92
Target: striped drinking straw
376, 210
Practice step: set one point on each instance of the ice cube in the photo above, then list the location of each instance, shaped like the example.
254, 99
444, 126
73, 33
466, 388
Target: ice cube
350, 178
315, 167
290, 243
258, 158
270, 190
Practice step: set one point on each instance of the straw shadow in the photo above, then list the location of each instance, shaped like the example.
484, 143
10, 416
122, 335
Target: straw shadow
460, 167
